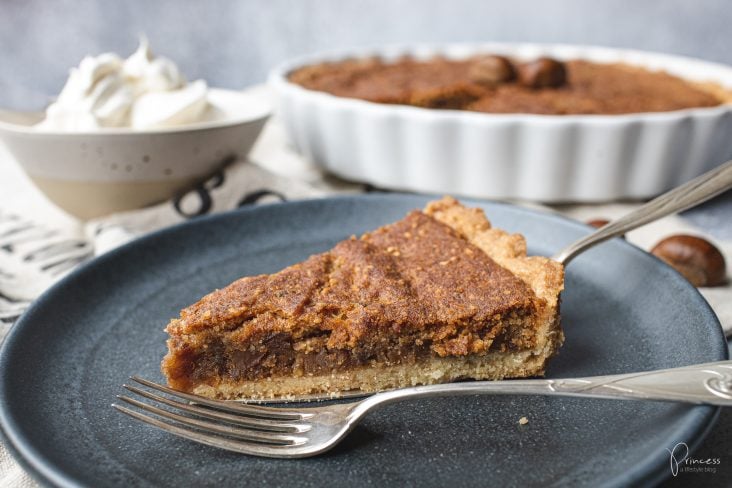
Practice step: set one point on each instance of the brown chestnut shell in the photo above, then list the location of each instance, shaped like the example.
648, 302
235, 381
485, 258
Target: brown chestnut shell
491, 70
597, 223
697, 259
542, 73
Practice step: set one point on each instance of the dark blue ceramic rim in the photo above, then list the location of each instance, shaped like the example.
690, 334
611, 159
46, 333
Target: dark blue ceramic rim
651, 470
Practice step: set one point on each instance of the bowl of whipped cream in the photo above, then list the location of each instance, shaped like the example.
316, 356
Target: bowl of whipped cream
127, 133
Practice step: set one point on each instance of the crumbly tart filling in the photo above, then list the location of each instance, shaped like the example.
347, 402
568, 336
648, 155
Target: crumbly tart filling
435, 297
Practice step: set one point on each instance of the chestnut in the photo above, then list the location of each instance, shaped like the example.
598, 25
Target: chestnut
597, 223
697, 259
542, 73
491, 70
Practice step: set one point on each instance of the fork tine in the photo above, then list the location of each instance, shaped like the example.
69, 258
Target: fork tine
227, 430
249, 410
258, 423
242, 447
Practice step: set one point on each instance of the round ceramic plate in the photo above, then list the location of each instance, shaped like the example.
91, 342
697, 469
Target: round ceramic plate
623, 311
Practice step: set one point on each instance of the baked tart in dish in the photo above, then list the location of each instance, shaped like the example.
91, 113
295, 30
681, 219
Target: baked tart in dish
498, 84
438, 296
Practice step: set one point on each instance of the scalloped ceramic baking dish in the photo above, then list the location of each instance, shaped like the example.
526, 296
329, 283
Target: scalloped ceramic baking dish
548, 158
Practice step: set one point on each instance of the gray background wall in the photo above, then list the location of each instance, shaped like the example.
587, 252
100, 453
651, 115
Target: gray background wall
233, 43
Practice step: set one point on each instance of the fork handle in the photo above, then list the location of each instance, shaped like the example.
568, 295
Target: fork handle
709, 384
694, 192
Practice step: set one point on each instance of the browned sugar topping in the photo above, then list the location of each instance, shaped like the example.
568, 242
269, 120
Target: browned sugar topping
415, 273
591, 88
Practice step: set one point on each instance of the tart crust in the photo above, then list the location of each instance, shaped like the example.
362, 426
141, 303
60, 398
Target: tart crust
438, 296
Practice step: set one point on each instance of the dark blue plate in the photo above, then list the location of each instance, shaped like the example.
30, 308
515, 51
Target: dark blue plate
623, 311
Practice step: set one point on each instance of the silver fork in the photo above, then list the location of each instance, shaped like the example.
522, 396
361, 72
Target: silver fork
303, 432
290, 432
681, 198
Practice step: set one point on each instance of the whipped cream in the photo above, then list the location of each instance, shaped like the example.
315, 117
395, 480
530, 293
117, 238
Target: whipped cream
140, 92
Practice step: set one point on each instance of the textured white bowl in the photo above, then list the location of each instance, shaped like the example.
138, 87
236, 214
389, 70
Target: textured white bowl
549, 158
89, 174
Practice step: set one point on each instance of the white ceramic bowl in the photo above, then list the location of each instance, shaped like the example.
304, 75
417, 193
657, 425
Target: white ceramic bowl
89, 174
549, 158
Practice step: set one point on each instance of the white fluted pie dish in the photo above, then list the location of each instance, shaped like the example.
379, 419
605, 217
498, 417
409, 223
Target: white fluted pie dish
548, 158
